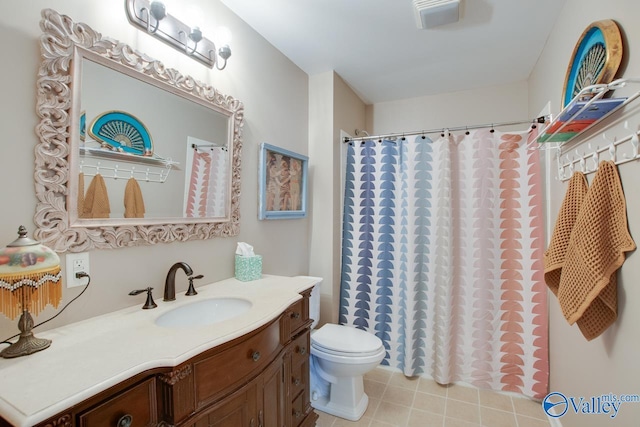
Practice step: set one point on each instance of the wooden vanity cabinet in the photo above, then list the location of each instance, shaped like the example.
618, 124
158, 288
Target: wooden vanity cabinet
258, 380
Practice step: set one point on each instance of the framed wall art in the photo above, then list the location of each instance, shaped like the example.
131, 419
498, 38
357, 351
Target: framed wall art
282, 186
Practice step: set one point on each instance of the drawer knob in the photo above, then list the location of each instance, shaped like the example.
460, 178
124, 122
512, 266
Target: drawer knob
302, 350
125, 421
295, 315
296, 381
255, 356
297, 414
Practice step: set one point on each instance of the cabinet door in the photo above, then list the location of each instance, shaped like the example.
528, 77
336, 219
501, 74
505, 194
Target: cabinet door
271, 396
238, 410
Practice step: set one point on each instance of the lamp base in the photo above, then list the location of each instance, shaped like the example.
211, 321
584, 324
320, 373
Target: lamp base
27, 343
25, 346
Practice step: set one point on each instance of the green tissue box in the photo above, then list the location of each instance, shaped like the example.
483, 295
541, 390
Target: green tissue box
248, 267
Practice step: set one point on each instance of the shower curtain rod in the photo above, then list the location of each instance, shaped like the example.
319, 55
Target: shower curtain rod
541, 119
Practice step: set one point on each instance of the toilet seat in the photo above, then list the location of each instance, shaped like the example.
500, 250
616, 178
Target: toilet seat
340, 340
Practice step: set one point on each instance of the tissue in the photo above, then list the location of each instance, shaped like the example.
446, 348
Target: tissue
248, 264
244, 249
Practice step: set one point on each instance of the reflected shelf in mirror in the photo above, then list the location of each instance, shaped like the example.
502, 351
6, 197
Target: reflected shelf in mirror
124, 157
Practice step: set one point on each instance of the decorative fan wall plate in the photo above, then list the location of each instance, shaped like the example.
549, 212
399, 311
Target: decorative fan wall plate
595, 59
123, 132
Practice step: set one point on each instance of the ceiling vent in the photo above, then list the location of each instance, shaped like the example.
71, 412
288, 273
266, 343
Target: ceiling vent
432, 13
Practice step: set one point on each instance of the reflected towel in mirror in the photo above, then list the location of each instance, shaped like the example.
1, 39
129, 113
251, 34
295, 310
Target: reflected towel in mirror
133, 201
96, 200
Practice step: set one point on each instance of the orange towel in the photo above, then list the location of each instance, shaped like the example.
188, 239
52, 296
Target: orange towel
96, 201
133, 202
554, 256
587, 291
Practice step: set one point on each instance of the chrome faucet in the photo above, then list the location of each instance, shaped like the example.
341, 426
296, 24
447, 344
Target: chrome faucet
170, 282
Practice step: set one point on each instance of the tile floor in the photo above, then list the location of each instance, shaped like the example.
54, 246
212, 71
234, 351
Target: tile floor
395, 400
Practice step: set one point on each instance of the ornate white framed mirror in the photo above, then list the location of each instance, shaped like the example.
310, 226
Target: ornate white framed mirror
130, 152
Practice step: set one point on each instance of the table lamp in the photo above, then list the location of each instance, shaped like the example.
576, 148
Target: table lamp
30, 278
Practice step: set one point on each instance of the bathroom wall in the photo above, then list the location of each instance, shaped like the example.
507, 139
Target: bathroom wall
608, 364
275, 96
334, 106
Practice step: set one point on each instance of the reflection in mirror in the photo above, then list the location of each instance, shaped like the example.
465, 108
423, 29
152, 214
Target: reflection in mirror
153, 155
135, 130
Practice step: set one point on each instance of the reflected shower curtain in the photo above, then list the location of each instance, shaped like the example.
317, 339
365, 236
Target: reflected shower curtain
442, 257
207, 185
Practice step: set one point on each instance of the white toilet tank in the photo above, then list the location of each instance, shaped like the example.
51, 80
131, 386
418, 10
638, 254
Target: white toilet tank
314, 301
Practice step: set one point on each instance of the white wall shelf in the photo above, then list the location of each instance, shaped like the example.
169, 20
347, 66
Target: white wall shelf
586, 109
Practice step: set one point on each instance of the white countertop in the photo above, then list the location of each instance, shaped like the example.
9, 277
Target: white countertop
90, 356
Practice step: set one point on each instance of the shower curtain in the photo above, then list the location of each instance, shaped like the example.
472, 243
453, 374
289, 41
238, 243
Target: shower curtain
442, 257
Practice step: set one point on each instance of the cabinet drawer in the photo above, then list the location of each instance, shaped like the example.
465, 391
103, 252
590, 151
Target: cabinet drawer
300, 348
299, 410
299, 377
216, 374
299, 313
138, 403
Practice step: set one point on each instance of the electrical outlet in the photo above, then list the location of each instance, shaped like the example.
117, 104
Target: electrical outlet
76, 263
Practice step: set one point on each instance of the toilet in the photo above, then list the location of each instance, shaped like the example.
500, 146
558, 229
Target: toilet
340, 356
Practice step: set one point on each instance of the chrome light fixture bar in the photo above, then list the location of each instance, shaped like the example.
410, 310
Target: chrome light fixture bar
152, 17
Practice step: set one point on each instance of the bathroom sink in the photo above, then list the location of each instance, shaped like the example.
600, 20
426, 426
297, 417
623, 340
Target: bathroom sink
204, 312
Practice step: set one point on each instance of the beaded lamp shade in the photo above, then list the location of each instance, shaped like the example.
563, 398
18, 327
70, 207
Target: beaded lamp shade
30, 279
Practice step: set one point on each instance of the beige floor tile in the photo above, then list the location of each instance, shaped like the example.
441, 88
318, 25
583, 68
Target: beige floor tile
374, 388
495, 400
362, 422
398, 395
371, 408
429, 402
419, 418
529, 408
453, 422
392, 414
400, 380
376, 423
379, 374
463, 411
495, 418
532, 422
324, 419
463, 393
427, 385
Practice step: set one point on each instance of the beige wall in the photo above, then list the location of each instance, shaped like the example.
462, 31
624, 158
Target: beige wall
275, 96
503, 103
608, 364
334, 106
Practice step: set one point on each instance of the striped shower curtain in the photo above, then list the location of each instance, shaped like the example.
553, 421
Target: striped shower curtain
442, 257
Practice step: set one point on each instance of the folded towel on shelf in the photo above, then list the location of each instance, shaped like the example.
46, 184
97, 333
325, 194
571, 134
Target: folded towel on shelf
554, 256
96, 200
80, 202
133, 202
587, 291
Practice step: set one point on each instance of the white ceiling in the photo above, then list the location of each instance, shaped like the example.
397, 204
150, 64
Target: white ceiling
377, 48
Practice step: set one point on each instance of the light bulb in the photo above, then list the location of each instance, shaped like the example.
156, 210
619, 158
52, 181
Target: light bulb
223, 36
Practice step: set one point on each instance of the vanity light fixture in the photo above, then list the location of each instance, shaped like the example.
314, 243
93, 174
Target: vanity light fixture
152, 17
30, 278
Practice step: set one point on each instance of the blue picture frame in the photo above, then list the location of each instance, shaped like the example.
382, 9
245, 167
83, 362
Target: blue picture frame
282, 186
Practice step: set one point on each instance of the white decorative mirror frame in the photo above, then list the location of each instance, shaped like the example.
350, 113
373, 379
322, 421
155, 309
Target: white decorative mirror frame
61, 42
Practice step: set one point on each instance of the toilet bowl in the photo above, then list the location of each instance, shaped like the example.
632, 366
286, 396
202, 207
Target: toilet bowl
341, 355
